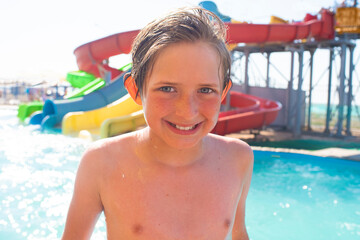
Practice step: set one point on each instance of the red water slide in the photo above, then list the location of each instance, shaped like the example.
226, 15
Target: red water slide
322, 29
92, 57
247, 112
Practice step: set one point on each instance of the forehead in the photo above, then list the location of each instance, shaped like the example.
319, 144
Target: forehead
199, 60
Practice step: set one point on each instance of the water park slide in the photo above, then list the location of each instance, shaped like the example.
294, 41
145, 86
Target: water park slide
74, 122
118, 125
247, 112
90, 87
310, 27
54, 110
90, 56
86, 83
79, 79
25, 110
90, 59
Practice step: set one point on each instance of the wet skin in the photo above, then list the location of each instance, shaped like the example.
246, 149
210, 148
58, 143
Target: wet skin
172, 179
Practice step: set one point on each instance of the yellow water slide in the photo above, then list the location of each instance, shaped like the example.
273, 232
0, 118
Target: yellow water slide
87, 124
115, 126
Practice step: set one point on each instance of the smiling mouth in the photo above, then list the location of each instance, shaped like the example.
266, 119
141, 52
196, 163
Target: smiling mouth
188, 128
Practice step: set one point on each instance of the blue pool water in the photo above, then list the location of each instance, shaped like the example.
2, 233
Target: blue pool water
292, 196
295, 196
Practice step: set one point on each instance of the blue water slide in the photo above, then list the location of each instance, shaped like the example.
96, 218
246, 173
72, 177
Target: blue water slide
54, 110
211, 6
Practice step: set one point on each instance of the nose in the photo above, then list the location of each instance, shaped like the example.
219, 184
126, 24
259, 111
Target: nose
187, 106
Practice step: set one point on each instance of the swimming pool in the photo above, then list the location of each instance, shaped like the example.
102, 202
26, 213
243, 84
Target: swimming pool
295, 196
292, 196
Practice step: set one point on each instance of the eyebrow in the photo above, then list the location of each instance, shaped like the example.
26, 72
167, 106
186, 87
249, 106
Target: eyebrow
166, 83
209, 85
176, 84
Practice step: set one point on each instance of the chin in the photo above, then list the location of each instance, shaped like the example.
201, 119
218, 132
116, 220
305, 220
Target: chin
183, 145
182, 142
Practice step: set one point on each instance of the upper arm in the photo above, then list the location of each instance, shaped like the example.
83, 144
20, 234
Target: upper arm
85, 206
239, 228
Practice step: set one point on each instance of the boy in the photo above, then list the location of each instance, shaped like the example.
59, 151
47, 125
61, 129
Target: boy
172, 179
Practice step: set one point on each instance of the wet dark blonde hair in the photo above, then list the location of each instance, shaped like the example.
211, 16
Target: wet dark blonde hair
183, 25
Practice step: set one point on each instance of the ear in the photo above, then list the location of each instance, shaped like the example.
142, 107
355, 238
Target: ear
130, 85
226, 90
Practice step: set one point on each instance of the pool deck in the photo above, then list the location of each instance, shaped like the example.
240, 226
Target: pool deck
348, 154
276, 135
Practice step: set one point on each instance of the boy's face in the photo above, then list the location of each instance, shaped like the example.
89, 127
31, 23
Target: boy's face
182, 95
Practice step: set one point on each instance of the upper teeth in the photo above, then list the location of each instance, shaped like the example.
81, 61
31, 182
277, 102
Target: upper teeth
184, 128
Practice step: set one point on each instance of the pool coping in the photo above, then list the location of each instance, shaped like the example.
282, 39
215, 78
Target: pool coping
349, 154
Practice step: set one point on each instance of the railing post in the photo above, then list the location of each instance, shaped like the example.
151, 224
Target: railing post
310, 88
299, 102
328, 108
341, 91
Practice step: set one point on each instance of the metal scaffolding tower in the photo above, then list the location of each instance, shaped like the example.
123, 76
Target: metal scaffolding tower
295, 97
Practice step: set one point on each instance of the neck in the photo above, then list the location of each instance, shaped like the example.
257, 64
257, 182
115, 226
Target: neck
159, 152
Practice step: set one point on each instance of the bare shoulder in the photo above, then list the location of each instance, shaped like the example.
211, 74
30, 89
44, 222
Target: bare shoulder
231, 145
235, 150
106, 151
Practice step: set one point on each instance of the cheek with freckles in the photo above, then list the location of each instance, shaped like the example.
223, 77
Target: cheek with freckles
155, 108
210, 109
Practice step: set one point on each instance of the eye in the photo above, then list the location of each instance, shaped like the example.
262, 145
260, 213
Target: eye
206, 90
167, 89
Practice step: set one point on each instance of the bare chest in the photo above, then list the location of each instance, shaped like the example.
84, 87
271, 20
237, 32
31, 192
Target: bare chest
144, 205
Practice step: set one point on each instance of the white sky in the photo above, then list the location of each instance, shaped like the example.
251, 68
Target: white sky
38, 37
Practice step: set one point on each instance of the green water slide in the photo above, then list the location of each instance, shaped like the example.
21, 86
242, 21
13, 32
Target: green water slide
26, 109
126, 68
79, 79
85, 83
92, 86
